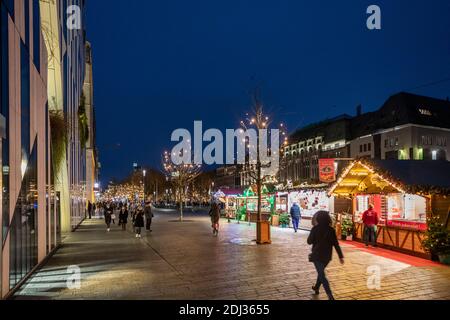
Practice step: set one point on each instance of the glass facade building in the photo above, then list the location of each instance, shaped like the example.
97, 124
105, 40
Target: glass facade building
26, 216
74, 62
38, 205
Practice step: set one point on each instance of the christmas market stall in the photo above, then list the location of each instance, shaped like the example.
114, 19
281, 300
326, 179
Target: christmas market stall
310, 198
247, 204
229, 199
405, 194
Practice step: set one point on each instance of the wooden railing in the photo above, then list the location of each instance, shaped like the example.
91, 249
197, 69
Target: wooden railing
395, 238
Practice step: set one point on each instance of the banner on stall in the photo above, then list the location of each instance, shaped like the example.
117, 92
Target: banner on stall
327, 172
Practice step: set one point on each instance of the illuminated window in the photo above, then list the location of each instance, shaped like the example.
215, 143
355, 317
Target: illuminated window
425, 112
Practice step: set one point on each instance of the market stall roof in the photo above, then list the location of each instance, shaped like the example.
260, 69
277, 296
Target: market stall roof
386, 176
231, 192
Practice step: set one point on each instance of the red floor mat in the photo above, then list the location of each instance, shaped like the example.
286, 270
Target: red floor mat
393, 255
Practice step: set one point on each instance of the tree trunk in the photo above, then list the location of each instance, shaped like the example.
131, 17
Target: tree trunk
181, 207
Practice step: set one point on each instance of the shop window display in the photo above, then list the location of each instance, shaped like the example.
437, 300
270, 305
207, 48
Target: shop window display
396, 209
310, 201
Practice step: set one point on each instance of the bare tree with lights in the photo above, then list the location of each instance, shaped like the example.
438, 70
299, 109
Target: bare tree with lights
259, 122
181, 176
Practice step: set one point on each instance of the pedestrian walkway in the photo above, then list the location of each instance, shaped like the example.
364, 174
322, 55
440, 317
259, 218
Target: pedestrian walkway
184, 261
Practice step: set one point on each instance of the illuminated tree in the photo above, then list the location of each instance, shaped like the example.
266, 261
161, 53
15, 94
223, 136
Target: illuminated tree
181, 176
256, 168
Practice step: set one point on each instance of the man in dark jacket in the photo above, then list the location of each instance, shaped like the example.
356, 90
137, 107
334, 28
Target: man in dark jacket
296, 216
323, 238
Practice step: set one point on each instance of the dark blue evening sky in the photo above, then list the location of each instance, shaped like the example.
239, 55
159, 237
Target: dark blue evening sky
160, 65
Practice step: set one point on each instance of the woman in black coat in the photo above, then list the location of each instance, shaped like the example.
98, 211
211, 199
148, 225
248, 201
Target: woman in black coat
139, 221
323, 238
108, 216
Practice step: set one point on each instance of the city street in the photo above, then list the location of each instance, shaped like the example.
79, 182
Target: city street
184, 261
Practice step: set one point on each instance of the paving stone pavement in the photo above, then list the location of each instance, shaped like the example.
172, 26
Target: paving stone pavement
184, 261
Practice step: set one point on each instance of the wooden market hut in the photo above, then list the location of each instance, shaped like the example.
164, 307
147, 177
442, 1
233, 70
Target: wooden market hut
229, 198
405, 193
249, 200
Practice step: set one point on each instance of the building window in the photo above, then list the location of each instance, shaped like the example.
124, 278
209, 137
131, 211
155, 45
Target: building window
36, 35
369, 147
360, 148
427, 140
4, 109
392, 155
441, 141
425, 112
25, 100
10, 6
23, 228
434, 155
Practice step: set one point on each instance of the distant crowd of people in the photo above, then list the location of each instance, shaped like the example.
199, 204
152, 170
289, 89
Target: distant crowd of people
140, 213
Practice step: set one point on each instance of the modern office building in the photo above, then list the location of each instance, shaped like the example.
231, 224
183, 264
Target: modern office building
73, 57
43, 70
28, 227
91, 150
64, 34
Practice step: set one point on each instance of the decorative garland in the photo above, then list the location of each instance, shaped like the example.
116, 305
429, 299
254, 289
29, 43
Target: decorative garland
423, 190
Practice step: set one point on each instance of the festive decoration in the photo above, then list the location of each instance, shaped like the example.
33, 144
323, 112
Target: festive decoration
389, 180
122, 192
327, 173
181, 176
437, 237
379, 178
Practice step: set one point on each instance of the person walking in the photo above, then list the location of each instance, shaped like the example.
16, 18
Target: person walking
148, 216
115, 213
214, 213
89, 209
139, 221
123, 218
323, 238
296, 216
101, 209
108, 216
370, 220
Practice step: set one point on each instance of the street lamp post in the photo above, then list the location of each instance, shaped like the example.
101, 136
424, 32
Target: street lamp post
144, 173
